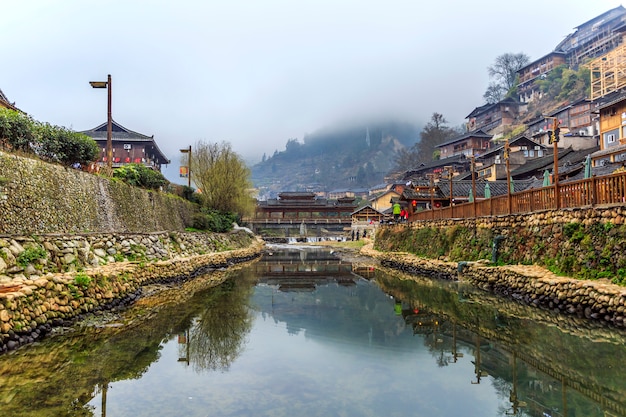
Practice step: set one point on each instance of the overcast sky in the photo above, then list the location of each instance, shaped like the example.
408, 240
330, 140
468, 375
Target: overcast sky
256, 73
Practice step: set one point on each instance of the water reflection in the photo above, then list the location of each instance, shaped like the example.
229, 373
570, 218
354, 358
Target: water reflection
300, 332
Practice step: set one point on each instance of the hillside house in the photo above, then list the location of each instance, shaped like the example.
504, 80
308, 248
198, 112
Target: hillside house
491, 118
612, 130
527, 88
458, 163
491, 165
128, 147
468, 144
595, 37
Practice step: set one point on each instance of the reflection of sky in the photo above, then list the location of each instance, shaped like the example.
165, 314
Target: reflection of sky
303, 374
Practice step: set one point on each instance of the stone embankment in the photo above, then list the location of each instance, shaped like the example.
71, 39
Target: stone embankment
77, 275
530, 285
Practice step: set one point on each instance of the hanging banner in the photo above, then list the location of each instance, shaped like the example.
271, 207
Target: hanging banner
184, 172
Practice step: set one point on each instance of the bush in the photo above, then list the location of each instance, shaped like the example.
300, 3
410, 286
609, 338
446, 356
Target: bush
16, 130
139, 175
61, 145
31, 254
214, 221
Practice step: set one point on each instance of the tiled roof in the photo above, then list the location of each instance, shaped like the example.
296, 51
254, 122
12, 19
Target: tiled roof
435, 164
475, 134
120, 134
461, 189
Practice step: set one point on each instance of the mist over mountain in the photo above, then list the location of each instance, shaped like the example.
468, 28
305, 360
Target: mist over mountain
357, 156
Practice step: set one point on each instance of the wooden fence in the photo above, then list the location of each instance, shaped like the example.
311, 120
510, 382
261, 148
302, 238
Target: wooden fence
609, 189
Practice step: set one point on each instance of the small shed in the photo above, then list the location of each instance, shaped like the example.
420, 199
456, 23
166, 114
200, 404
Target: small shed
366, 214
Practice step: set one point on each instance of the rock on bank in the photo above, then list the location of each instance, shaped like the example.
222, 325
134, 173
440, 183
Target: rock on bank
31, 304
528, 284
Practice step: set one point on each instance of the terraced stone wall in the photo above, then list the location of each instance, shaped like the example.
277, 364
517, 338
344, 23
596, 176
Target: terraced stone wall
37, 198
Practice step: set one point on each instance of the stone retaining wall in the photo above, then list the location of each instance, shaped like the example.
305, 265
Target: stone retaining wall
531, 285
32, 304
37, 197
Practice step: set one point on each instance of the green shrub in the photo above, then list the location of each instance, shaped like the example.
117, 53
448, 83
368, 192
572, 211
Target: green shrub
31, 254
140, 175
214, 221
82, 280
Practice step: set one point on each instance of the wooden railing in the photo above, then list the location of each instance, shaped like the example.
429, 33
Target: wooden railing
298, 220
609, 189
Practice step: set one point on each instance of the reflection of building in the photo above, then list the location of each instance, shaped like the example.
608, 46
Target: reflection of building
422, 320
312, 269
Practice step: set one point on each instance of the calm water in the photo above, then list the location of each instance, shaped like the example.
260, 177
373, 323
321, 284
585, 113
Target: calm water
300, 333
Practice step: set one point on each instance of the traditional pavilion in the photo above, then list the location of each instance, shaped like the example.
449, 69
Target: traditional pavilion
128, 147
304, 205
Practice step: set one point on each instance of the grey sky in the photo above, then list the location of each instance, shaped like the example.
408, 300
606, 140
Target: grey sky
256, 73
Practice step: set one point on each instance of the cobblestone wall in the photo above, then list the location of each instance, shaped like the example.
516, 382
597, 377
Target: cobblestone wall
37, 197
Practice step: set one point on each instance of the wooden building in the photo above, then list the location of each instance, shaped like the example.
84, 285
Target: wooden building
468, 144
304, 205
128, 147
612, 130
491, 118
527, 88
366, 214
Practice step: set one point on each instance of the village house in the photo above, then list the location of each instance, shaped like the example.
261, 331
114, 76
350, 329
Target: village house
595, 37
491, 165
382, 201
527, 88
612, 111
493, 118
468, 144
576, 125
128, 147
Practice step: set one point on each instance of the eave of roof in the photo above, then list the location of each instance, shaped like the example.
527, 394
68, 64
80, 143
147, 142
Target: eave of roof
475, 134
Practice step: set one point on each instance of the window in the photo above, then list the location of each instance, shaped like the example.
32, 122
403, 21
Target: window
610, 138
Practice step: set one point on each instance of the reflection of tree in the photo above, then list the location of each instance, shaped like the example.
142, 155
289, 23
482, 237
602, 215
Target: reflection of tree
217, 336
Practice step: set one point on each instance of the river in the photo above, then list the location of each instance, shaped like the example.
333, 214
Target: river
300, 332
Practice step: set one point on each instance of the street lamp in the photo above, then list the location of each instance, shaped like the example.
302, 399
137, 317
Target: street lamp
450, 170
507, 154
473, 169
431, 189
188, 151
107, 84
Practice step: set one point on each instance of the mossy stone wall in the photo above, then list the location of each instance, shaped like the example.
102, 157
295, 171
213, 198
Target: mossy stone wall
38, 197
586, 243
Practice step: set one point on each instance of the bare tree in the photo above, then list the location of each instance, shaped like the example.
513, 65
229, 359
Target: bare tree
504, 70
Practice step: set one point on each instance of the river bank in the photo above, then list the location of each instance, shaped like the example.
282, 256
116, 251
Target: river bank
31, 308
529, 284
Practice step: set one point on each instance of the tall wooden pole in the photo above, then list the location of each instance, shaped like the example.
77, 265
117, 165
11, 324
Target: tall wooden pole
473, 169
507, 152
109, 126
555, 141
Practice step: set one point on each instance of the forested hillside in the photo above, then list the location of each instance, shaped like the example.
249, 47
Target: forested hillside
333, 158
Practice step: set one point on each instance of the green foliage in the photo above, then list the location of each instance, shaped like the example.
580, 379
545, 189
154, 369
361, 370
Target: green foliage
563, 83
61, 145
30, 255
82, 280
139, 175
223, 178
20, 132
16, 130
213, 220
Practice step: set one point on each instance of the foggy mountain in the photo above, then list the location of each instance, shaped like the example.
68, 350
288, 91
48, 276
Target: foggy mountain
335, 158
